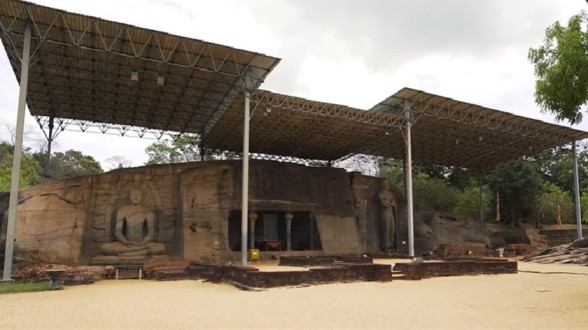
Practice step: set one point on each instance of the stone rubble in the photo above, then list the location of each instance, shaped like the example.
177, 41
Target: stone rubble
572, 253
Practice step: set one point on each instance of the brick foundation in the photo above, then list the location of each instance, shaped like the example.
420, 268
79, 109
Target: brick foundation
417, 271
252, 277
323, 260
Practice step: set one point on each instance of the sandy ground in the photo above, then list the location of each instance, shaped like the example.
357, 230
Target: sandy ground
539, 297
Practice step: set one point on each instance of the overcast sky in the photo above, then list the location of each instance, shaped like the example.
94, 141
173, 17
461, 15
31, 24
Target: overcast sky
352, 52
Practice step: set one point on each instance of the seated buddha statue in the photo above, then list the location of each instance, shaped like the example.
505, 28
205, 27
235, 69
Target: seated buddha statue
134, 231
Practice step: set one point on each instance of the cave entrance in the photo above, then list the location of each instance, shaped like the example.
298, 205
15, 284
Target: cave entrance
270, 232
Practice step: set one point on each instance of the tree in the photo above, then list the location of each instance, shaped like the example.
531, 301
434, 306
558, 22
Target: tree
518, 183
185, 148
69, 164
552, 198
115, 162
584, 205
434, 193
556, 167
31, 137
393, 171
30, 168
182, 149
471, 199
561, 68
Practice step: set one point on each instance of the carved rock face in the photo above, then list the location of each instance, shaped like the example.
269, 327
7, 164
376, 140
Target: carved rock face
135, 196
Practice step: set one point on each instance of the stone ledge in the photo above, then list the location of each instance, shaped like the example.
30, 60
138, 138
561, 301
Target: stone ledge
323, 260
417, 271
249, 277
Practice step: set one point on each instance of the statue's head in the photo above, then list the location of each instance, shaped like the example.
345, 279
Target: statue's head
135, 196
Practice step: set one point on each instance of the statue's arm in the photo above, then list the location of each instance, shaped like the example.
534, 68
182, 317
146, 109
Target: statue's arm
118, 228
150, 236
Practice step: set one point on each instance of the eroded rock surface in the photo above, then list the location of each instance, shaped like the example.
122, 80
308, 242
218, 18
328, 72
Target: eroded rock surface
572, 253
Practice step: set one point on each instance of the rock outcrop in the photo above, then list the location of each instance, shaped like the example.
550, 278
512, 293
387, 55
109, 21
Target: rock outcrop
572, 253
196, 213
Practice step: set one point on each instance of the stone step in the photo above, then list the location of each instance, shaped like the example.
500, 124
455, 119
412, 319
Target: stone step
398, 275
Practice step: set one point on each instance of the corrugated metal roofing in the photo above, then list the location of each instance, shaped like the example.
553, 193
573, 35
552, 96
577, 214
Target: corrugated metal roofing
81, 75
445, 131
82, 66
292, 126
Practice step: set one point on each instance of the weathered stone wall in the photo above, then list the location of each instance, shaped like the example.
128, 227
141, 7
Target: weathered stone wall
51, 220
557, 237
207, 194
110, 191
324, 192
3, 219
69, 220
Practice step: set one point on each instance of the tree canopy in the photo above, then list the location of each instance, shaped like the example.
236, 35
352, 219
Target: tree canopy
30, 169
71, 163
68, 164
561, 69
185, 148
530, 189
180, 150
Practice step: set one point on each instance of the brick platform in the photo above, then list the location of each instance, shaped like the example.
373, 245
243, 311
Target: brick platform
322, 260
417, 271
248, 277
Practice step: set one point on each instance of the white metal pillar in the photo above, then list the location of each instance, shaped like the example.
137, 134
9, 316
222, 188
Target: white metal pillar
577, 191
408, 175
14, 183
245, 181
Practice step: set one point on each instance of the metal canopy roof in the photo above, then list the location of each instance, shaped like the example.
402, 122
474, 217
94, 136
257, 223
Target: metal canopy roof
454, 133
445, 131
82, 66
81, 75
291, 126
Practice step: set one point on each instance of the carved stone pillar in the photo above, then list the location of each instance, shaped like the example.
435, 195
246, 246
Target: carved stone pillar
289, 217
312, 233
361, 195
252, 218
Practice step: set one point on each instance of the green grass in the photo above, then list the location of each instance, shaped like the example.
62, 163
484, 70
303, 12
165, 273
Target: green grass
24, 287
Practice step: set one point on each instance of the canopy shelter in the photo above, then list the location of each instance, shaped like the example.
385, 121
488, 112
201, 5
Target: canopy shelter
445, 131
431, 128
114, 77
94, 74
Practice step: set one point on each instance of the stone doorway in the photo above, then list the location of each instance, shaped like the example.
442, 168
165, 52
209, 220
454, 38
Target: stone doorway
270, 230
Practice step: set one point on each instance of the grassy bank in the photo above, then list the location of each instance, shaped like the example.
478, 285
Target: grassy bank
24, 287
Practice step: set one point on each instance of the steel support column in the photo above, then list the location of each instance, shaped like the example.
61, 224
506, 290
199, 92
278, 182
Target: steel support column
49, 144
14, 183
408, 176
577, 191
245, 181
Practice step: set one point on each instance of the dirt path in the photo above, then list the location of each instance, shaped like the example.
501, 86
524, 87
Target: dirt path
540, 297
